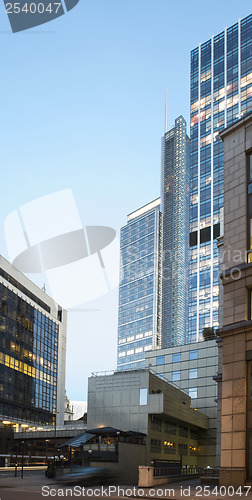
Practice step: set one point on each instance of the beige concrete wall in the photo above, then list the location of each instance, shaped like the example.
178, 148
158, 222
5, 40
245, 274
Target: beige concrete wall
233, 437
147, 479
236, 332
236, 143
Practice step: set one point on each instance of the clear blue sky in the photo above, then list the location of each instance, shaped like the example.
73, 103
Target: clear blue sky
82, 106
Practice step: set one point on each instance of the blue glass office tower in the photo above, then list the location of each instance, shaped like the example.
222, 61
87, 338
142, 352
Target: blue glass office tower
221, 93
140, 290
175, 209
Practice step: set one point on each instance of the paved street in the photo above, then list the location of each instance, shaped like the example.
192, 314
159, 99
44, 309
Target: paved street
36, 486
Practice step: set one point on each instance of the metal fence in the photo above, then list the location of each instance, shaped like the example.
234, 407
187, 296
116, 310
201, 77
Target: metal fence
174, 468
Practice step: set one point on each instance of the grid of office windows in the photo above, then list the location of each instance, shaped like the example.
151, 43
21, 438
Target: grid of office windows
28, 360
175, 209
140, 290
221, 93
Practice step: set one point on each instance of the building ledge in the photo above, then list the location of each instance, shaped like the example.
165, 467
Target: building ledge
235, 328
239, 267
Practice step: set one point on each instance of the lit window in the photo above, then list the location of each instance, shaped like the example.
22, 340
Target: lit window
143, 397
193, 373
192, 392
175, 376
129, 339
131, 351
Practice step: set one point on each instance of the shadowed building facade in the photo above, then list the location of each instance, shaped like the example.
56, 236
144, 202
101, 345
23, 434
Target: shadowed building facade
236, 326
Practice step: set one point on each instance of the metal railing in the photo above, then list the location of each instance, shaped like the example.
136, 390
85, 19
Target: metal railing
174, 468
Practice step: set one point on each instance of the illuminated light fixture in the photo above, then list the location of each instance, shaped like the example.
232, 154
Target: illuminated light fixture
6, 422
40, 428
24, 425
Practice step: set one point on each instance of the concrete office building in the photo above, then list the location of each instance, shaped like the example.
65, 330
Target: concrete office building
236, 327
221, 93
175, 210
140, 401
32, 353
193, 367
140, 290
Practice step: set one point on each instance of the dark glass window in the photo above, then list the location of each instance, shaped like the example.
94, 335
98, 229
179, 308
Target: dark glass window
156, 423
183, 449
183, 431
170, 427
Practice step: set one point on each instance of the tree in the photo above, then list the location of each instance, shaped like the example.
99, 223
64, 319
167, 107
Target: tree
208, 333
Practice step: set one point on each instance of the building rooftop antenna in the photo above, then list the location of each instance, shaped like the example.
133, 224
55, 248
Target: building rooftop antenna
165, 111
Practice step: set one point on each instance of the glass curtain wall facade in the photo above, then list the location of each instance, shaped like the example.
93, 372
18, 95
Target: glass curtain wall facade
140, 290
28, 360
175, 209
221, 93
32, 353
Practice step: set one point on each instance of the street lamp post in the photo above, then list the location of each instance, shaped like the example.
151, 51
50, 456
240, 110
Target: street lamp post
16, 462
55, 434
90, 453
22, 463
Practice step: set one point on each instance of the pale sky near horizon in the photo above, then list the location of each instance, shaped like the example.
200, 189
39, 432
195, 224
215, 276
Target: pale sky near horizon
82, 107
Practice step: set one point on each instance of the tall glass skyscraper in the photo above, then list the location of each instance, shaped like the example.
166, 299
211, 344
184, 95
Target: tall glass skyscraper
221, 93
140, 290
175, 209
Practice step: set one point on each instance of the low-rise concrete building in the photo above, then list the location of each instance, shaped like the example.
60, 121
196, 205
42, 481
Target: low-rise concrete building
193, 368
140, 401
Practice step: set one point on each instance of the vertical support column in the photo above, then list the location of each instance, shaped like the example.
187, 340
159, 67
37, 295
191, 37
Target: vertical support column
212, 179
198, 235
239, 68
225, 76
